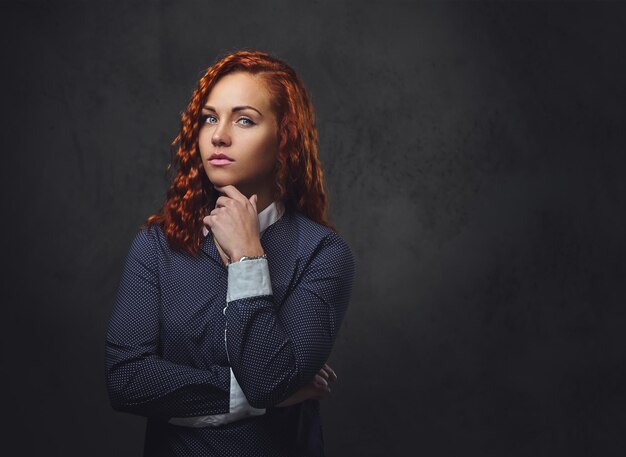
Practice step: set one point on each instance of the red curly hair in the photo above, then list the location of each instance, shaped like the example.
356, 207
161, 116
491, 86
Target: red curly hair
299, 180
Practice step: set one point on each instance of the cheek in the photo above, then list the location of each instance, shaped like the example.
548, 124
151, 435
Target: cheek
261, 150
267, 159
270, 147
203, 142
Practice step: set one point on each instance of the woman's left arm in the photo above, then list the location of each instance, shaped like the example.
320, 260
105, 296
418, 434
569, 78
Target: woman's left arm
274, 352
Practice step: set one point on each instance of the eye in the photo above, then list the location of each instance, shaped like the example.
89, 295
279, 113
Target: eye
209, 119
246, 122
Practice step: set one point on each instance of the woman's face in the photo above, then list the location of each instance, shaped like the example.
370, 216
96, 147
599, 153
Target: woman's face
238, 140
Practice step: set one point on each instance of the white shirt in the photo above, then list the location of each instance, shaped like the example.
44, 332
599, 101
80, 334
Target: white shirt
250, 278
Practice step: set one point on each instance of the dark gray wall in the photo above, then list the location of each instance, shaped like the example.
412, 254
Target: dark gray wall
474, 155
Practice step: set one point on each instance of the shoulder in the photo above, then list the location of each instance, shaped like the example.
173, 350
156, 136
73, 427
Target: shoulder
321, 239
146, 237
312, 231
149, 242
309, 228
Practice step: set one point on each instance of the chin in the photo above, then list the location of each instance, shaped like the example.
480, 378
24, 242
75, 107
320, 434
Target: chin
218, 179
220, 182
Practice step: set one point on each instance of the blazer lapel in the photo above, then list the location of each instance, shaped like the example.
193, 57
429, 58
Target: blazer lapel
280, 243
209, 248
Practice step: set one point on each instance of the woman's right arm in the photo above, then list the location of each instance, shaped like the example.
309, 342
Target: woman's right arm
138, 380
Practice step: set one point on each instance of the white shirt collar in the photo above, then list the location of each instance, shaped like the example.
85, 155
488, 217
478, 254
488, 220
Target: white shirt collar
266, 217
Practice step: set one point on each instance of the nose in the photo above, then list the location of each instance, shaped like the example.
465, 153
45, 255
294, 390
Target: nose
221, 135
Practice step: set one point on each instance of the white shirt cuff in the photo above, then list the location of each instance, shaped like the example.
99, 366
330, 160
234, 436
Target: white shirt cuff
250, 278
239, 409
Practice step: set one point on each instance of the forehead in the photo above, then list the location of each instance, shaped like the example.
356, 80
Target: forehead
240, 88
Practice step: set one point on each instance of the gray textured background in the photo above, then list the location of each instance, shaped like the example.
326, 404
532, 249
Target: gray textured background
474, 156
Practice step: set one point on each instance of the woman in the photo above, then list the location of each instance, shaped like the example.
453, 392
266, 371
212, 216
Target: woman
232, 295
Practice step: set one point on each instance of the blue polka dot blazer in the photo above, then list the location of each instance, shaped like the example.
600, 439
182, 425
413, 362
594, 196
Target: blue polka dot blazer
173, 340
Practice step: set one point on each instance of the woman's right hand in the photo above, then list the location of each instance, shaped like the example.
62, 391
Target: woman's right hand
317, 389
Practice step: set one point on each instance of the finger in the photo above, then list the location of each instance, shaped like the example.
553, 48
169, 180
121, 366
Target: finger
323, 373
327, 372
318, 381
224, 201
329, 376
208, 220
253, 201
214, 217
332, 376
217, 211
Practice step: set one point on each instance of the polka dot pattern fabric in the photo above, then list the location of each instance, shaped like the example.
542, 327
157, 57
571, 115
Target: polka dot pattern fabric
166, 355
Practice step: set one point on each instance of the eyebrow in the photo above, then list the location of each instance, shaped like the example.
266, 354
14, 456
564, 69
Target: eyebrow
235, 108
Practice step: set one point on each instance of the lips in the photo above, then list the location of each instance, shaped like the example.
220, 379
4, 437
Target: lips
220, 159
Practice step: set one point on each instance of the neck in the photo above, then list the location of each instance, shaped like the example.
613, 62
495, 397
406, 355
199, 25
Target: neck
264, 197
263, 201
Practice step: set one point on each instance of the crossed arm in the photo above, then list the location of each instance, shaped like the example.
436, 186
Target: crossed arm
275, 356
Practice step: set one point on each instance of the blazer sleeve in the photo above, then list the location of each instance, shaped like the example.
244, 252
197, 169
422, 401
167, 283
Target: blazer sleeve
274, 352
138, 379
